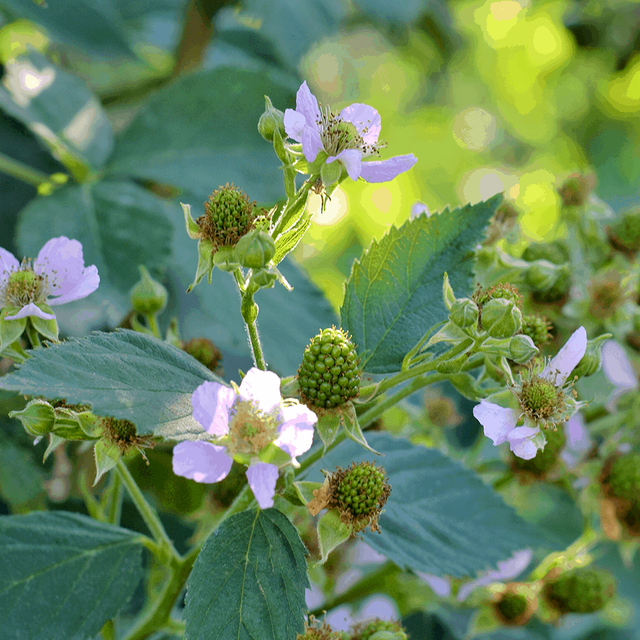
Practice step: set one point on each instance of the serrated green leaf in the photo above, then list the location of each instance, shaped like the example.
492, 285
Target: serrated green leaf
124, 374
394, 293
248, 581
63, 575
440, 517
67, 118
332, 532
120, 226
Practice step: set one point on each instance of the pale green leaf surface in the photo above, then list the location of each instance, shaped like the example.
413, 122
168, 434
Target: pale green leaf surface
123, 374
248, 581
394, 293
440, 517
60, 111
63, 575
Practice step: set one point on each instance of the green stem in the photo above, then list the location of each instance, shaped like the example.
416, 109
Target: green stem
249, 311
147, 512
34, 337
152, 323
22, 171
15, 352
114, 505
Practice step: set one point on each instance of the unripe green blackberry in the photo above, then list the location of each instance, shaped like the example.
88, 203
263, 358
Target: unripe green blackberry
538, 328
229, 215
580, 591
329, 375
623, 479
204, 351
545, 459
359, 493
512, 607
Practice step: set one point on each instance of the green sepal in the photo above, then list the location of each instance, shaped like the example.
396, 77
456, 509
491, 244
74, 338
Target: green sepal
448, 295
193, 230
352, 427
37, 418
54, 442
497, 346
46, 328
456, 364
332, 532
330, 173
301, 166
327, 427
450, 332
205, 262
483, 621
10, 330
465, 384
273, 454
288, 240
300, 493
106, 455
15, 352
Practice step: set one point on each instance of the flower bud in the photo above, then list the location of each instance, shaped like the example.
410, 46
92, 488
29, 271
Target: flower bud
329, 373
464, 312
264, 278
580, 591
522, 349
148, 295
545, 459
592, 359
255, 249
204, 351
501, 318
38, 418
359, 493
225, 259
271, 120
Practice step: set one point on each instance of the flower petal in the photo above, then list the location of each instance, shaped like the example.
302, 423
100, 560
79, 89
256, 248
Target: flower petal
8, 264
617, 367
61, 261
31, 310
497, 421
520, 442
351, 159
386, 170
201, 461
263, 388
262, 479
211, 402
294, 124
307, 105
296, 432
558, 370
365, 119
311, 143
88, 283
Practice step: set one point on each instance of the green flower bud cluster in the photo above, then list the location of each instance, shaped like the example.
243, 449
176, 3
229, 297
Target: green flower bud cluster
464, 313
204, 351
545, 459
229, 215
255, 249
147, 295
623, 479
512, 607
580, 591
379, 630
329, 374
499, 307
359, 493
592, 359
624, 233
72, 422
270, 121
538, 328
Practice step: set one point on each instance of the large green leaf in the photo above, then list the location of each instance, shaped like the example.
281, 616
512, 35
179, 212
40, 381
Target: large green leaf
58, 108
94, 27
248, 581
201, 132
120, 226
63, 575
440, 518
406, 11
123, 374
394, 293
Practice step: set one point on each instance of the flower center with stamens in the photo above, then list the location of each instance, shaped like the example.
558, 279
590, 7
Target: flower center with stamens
250, 429
338, 134
23, 287
540, 398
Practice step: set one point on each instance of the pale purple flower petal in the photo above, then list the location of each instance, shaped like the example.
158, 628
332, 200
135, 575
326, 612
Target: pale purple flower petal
617, 367
311, 143
578, 441
440, 586
294, 124
365, 119
520, 442
386, 170
262, 479
61, 261
419, 208
296, 432
261, 387
558, 370
307, 105
31, 310
351, 159
211, 402
8, 264
88, 283
201, 461
497, 421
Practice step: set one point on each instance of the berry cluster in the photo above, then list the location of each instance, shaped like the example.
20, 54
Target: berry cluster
329, 374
